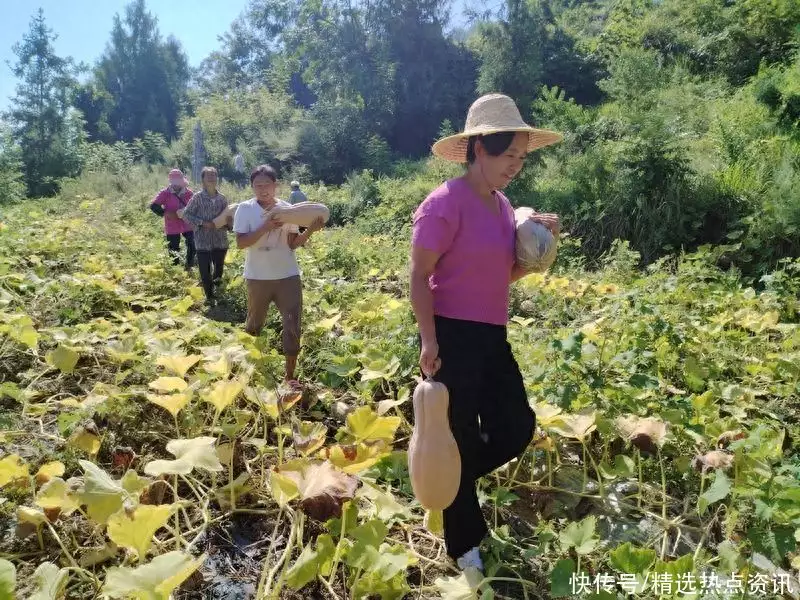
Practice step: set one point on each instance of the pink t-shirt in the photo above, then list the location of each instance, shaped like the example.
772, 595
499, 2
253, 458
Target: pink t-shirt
472, 277
171, 203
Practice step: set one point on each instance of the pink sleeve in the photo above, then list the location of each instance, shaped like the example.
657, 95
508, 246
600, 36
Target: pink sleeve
159, 199
435, 224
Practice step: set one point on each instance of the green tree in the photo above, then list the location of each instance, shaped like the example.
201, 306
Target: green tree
12, 184
146, 76
41, 124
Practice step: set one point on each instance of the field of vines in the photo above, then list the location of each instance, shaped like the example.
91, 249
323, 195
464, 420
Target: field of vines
148, 451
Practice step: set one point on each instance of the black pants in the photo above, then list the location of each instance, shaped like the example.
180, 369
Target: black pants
206, 259
174, 246
489, 415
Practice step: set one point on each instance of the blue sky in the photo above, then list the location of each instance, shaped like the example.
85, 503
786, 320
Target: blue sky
84, 26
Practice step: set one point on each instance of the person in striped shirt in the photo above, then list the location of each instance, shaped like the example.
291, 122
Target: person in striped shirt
211, 242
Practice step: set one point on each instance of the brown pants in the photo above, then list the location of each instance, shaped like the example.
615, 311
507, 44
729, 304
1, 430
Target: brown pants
288, 297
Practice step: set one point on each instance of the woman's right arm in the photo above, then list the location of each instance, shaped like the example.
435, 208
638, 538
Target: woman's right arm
423, 263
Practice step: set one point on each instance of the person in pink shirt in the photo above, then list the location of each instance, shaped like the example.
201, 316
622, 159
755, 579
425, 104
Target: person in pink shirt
166, 204
462, 266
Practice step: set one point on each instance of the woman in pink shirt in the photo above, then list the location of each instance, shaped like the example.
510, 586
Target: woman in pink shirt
462, 266
166, 204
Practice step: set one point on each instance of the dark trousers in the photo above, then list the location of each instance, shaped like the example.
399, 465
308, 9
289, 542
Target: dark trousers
490, 417
210, 264
174, 246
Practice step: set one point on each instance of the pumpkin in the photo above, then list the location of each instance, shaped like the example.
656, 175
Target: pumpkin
301, 214
226, 216
434, 463
535, 245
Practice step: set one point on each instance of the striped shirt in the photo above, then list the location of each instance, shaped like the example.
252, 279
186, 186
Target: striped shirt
201, 208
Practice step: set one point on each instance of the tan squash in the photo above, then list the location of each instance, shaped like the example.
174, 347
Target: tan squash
536, 248
434, 462
301, 214
226, 216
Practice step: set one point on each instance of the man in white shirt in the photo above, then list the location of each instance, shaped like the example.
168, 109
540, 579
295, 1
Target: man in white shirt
270, 266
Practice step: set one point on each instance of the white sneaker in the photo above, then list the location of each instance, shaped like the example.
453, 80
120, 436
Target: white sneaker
472, 558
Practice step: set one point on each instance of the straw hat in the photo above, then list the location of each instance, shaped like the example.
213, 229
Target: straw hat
493, 113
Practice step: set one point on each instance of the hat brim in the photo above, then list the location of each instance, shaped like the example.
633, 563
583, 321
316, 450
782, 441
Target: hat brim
454, 147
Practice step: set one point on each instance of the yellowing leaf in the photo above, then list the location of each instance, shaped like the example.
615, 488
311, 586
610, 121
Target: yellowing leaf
223, 394
102, 495
190, 453
34, 516
173, 403
12, 469
284, 489
85, 440
308, 436
57, 494
354, 458
218, 367
63, 358
132, 483
135, 531
27, 335
8, 579
327, 324
546, 414
264, 399
456, 588
365, 425
178, 365
47, 471
575, 426
153, 581
51, 582
169, 384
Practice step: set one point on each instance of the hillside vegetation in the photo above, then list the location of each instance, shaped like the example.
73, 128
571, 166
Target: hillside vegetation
147, 447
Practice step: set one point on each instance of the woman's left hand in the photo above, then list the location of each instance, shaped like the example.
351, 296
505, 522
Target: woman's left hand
316, 225
549, 220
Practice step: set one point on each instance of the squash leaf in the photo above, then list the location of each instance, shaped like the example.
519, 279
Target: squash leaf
135, 530
322, 488
178, 365
172, 403
189, 454
153, 581
354, 458
63, 358
47, 471
580, 536
168, 384
103, 496
223, 394
13, 469
8, 579
51, 582
308, 436
311, 563
85, 439
57, 494
364, 425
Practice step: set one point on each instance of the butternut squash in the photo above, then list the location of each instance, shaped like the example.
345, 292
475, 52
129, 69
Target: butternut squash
226, 216
535, 245
434, 462
301, 214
